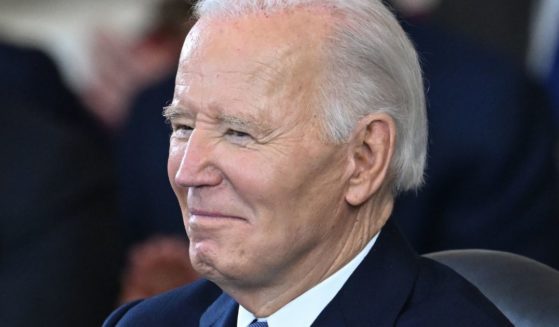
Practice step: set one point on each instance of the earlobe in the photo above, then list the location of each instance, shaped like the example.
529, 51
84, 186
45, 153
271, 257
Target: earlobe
373, 145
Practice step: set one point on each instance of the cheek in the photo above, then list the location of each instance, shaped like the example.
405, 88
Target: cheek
172, 168
264, 181
173, 165
247, 173
173, 161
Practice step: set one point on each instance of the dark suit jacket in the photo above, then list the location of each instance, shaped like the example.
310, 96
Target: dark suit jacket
392, 286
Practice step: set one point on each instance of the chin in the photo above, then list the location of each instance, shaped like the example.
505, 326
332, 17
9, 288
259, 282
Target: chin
224, 274
204, 259
202, 263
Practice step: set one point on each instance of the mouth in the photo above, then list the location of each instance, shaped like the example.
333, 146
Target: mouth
196, 214
207, 225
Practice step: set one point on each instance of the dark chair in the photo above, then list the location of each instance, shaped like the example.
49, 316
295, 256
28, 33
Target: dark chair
526, 291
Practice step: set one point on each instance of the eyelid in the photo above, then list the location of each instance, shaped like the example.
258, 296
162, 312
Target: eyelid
238, 133
181, 125
181, 131
239, 137
180, 122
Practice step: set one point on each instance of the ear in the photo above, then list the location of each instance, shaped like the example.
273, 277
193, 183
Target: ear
372, 146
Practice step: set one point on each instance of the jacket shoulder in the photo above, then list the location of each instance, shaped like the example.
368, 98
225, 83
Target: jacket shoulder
180, 307
441, 297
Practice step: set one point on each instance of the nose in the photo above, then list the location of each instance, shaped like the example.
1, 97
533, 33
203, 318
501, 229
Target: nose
197, 163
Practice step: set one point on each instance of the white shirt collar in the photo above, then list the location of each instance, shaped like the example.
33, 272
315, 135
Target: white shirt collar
303, 310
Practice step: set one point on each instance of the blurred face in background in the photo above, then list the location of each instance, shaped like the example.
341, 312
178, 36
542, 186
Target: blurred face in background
262, 196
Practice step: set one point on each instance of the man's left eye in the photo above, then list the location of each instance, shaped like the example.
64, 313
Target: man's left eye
232, 132
237, 134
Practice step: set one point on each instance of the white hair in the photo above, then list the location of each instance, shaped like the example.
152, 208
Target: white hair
372, 67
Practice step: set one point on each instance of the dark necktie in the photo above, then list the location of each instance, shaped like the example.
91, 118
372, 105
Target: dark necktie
258, 324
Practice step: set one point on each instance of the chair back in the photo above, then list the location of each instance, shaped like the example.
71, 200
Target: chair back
526, 291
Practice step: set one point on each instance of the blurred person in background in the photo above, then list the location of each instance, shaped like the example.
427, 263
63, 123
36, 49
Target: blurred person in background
501, 25
491, 179
62, 254
525, 33
60, 249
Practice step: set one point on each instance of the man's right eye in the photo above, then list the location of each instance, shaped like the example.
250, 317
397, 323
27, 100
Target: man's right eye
182, 131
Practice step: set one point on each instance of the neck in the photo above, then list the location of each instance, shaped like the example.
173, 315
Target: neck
367, 220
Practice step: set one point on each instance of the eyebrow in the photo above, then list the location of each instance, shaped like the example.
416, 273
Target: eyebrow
173, 112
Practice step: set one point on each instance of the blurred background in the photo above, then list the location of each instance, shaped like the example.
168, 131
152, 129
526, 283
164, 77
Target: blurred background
88, 219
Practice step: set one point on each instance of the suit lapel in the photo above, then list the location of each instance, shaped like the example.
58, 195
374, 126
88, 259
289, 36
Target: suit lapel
377, 291
222, 313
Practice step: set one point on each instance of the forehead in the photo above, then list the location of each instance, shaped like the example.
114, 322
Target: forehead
258, 54
257, 34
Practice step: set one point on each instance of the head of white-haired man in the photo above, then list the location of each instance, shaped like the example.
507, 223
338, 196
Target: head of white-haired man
294, 125
285, 152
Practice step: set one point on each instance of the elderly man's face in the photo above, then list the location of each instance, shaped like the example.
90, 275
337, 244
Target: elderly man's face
262, 196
